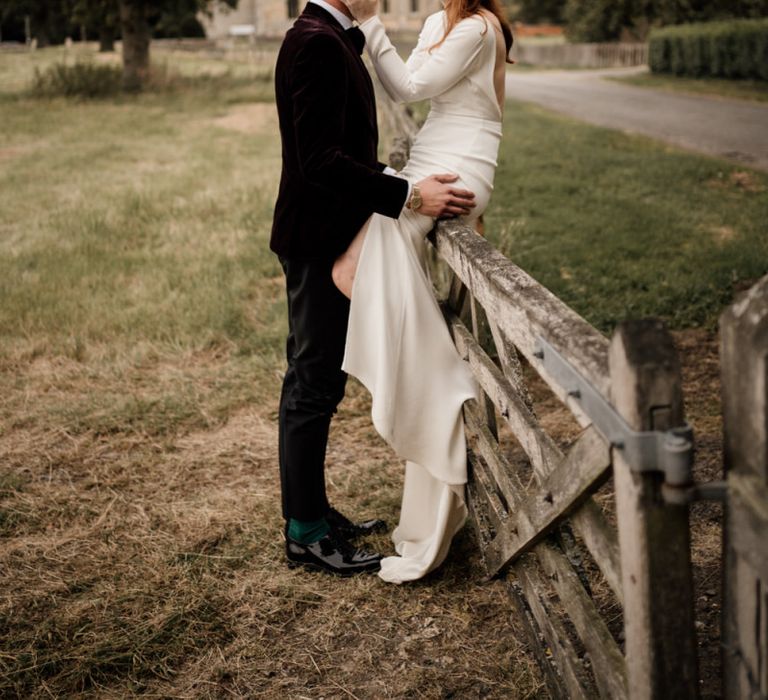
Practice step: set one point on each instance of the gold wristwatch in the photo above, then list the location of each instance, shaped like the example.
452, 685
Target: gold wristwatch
415, 200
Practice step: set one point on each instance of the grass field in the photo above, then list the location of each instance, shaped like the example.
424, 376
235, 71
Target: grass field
621, 226
141, 332
717, 87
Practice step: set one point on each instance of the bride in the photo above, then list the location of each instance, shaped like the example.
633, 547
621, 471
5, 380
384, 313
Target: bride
398, 344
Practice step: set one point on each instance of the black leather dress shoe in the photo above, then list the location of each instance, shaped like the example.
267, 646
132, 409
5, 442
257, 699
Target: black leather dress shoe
332, 554
349, 530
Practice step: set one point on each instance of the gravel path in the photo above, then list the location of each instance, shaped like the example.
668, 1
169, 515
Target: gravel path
726, 128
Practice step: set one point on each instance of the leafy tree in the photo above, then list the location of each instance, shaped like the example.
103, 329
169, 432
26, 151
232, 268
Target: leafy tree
178, 19
608, 20
539, 11
598, 20
136, 20
49, 19
665, 12
100, 17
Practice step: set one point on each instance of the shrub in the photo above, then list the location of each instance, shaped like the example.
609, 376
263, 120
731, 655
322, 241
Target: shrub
83, 78
731, 49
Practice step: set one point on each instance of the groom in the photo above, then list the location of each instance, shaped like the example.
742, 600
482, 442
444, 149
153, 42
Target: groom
330, 185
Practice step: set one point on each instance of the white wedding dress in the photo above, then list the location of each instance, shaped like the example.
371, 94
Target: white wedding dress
398, 344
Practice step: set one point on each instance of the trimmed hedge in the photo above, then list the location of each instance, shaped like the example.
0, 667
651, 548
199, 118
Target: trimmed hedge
730, 49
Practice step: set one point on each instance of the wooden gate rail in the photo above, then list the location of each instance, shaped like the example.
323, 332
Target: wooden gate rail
496, 312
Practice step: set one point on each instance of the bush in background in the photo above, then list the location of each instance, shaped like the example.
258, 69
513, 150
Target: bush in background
84, 79
631, 20
731, 49
87, 79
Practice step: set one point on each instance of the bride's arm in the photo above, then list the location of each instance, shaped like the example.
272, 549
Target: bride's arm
419, 53
427, 73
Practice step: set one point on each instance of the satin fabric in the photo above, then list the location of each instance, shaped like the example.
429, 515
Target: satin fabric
398, 344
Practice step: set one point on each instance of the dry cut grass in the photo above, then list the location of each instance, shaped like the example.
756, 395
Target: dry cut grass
157, 569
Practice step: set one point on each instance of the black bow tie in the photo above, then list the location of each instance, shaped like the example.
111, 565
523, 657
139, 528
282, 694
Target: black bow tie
357, 37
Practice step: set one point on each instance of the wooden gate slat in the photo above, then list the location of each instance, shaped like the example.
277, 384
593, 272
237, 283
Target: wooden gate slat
607, 659
510, 363
484, 486
535, 514
601, 542
478, 516
524, 617
569, 664
481, 334
538, 445
482, 442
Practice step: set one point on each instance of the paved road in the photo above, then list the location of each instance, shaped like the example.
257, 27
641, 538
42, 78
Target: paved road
733, 129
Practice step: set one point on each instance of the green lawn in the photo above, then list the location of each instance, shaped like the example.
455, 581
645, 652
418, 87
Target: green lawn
135, 228
621, 226
717, 87
18, 67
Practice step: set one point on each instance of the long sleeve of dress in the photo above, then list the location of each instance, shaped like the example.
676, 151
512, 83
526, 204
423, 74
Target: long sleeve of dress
426, 74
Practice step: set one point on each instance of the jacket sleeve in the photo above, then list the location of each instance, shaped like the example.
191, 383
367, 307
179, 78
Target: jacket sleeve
319, 86
426, 74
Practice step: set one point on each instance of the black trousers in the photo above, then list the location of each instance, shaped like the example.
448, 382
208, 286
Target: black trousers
313, 386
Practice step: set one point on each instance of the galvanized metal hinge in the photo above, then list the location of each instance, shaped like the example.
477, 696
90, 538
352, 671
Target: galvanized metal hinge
669, 452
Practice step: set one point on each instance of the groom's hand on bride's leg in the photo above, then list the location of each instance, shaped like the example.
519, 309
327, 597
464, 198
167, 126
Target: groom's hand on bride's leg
442, 199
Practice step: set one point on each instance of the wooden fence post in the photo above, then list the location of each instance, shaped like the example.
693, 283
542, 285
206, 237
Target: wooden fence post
744, 362
654, 536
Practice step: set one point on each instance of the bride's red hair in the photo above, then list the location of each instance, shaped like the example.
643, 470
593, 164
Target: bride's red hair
457, 10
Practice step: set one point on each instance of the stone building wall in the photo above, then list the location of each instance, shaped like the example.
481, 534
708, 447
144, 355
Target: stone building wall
271, 18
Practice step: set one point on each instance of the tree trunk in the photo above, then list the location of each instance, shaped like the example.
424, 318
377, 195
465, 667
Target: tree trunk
136, 36
41, 34
106, 39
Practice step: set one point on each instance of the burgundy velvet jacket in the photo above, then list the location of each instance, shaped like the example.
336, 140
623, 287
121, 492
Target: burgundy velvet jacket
331, 179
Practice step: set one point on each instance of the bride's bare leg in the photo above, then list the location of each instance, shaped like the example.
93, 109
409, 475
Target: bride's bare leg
345, 267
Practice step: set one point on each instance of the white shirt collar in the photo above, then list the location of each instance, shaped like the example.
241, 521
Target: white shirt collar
340, 17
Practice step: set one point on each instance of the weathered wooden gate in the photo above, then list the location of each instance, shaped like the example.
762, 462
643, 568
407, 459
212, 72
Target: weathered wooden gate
648, 564
626, 394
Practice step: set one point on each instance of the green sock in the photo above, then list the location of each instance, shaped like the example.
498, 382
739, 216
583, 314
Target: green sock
307, 531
